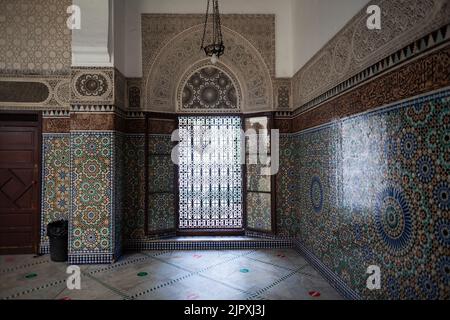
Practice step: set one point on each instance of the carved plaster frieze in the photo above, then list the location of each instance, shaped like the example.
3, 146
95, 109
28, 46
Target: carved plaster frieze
356, 48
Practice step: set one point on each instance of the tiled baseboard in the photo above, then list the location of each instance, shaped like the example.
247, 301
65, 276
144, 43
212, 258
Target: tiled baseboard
44, 248
100, 258
326, 272
207, 244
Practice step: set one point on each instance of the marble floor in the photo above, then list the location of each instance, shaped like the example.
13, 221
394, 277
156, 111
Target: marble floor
276, 274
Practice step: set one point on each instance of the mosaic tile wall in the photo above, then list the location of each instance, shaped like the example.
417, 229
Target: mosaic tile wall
96, 197
374, 190
55, 182
259, 216
286, 186
119, 191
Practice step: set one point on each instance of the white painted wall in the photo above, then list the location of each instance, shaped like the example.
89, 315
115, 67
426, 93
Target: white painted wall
92, 44
302, 28
119, 34
315, 22
281, 9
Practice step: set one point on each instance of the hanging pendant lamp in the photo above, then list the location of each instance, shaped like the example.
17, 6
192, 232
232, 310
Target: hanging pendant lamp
216, 48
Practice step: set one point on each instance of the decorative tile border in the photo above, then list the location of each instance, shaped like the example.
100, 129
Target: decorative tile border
409, 52
162, 126
207, 245
44, 247
96, 122
49, 113
91, 258
420, 76
423, 98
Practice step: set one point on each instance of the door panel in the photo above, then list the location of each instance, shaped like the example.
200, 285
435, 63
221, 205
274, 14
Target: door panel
259, 197
19, 187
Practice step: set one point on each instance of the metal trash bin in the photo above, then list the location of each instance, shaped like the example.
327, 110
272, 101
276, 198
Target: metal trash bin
57, 233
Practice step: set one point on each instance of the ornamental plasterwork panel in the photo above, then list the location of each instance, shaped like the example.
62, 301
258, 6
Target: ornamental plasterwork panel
356, 47
92, 86
182, 52
282, 93
208, 88
56, 95
159, 29
34, 37
133, 94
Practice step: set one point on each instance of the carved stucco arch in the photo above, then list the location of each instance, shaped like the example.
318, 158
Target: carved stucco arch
182, 53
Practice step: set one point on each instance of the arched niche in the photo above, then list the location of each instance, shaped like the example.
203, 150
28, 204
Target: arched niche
242, 62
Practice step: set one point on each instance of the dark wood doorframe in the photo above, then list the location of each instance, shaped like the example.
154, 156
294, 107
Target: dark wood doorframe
23, 120
208, 232
148, 131
273, 231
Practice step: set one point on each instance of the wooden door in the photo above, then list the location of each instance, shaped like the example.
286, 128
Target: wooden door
20, 140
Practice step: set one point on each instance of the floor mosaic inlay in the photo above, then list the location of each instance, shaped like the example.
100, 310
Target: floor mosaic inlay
180, 275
